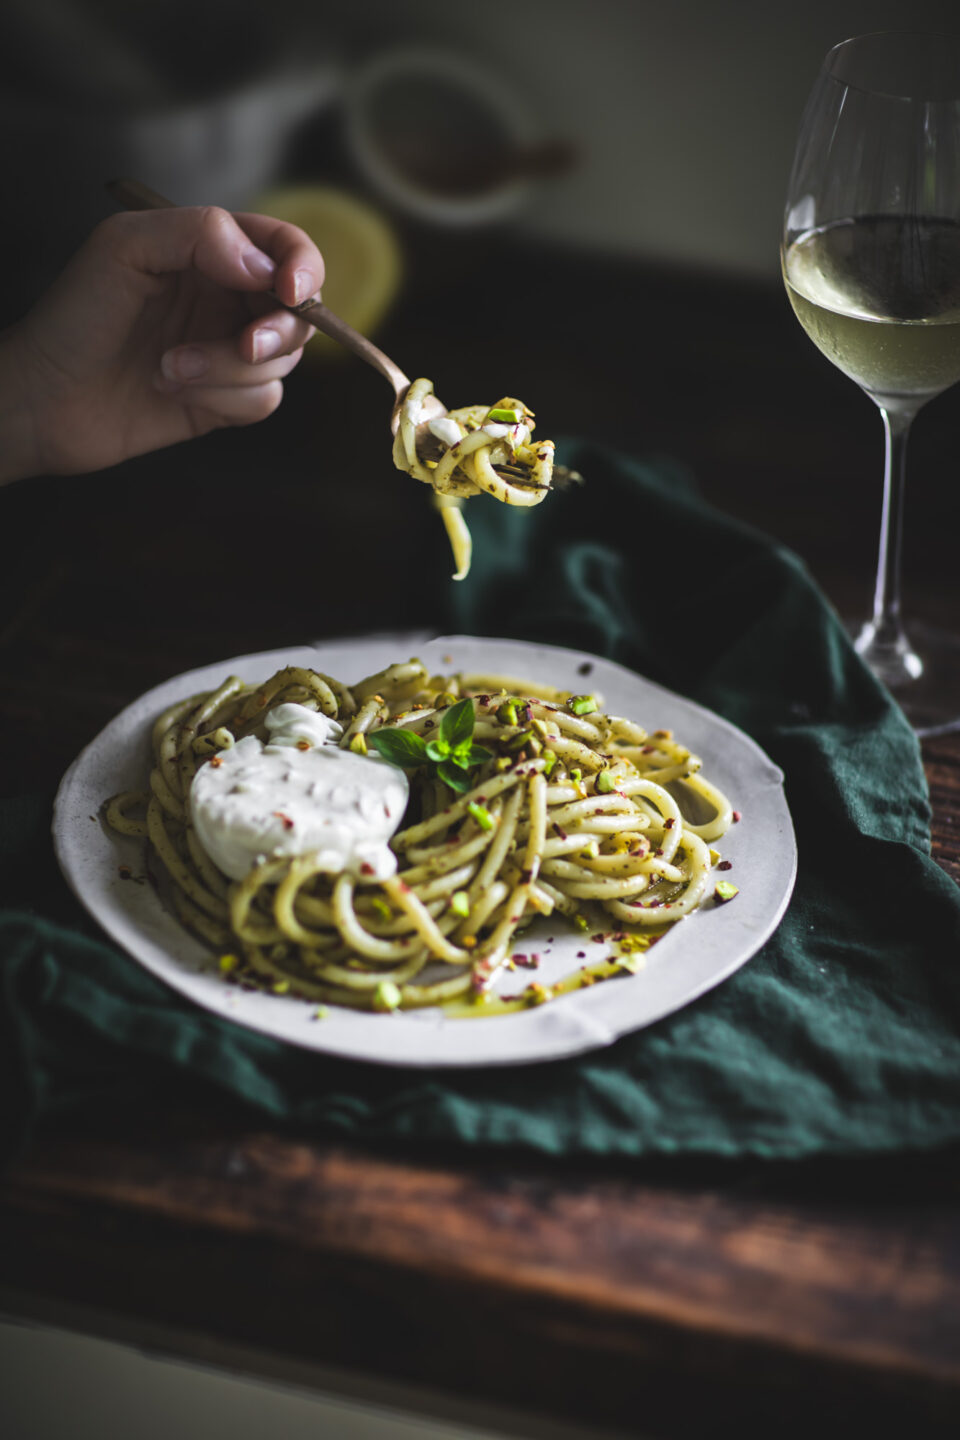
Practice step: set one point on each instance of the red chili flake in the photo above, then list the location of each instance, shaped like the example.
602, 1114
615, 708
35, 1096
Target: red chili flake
484, 699
481, 799
216, 761
519, 959
654, 904
549, 939
366, 868
404, 886
303, 745
598, 939
428, 724
284, 819
736, 817
581, 954
585, 668
725, 865
526, 876
648, 750
526, 713
669, 824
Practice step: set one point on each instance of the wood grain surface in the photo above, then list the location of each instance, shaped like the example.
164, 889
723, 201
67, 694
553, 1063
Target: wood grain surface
658, 1299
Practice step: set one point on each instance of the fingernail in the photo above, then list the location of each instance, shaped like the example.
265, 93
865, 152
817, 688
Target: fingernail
265, 344
187, 363
304, 285
260, 266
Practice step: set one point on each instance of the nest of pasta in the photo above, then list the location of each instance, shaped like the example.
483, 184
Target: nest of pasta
560, 810
474, 450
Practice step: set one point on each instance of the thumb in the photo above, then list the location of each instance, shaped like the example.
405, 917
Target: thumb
205, 238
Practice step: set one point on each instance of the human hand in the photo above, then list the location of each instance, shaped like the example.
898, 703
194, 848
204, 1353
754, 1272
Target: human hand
158, 330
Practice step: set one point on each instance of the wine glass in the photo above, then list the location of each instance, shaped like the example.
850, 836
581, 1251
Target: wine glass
871, 261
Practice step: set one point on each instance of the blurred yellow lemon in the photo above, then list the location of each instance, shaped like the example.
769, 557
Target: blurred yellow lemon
359, 248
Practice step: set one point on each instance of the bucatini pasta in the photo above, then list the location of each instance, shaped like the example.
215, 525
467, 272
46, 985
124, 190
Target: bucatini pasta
480, 450
524, 801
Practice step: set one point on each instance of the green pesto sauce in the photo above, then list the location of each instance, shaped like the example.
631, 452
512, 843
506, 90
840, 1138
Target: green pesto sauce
487, 1006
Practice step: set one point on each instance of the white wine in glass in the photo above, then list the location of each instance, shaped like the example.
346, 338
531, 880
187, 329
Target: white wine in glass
871, 262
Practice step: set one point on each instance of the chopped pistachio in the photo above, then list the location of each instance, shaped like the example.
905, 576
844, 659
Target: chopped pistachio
507, 713
604, 783
714, 856
358, 744
321, 1012
549, 760
481, 814
280, 987
386, 997
631, 943
582, 704
725, 891
521, 740
381, 908
580, 922
228, 963
576, 776
505, 417
460, 903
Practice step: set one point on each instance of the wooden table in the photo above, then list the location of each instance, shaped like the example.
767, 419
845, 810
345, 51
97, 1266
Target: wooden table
651, 1298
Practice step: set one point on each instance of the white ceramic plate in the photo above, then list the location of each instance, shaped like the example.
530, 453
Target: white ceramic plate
697, 954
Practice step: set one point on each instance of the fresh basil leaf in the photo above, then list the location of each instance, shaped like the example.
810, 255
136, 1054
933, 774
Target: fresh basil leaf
437, 750
461, 758
457, 723
401, 747
477, 754
456, 779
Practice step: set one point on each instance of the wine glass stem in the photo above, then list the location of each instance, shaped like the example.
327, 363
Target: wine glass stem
886, 600
883, 642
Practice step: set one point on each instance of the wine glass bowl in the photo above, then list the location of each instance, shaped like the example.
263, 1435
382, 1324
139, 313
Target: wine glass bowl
870, 254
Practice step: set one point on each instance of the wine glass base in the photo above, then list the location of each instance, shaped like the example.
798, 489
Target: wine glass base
923, 677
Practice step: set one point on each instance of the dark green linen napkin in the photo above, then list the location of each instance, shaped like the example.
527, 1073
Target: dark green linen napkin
841, 1036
